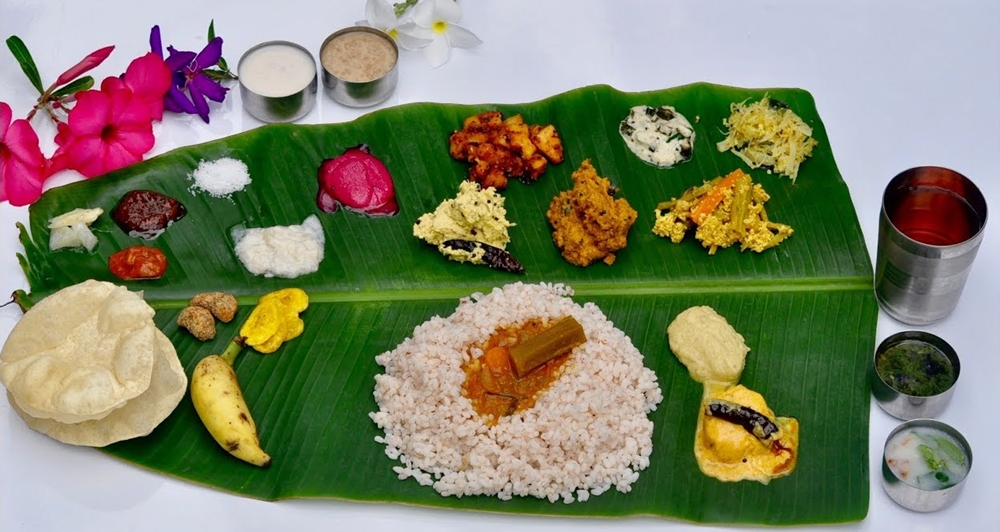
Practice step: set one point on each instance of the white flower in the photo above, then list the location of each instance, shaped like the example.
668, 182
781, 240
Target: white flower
380, 15
437, 20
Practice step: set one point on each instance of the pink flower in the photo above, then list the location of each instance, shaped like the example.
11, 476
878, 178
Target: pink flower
149, 78
86, 65
23, 168
106, 130
113, 127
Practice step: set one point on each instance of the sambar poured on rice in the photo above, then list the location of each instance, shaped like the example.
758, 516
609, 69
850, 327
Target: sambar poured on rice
586, 431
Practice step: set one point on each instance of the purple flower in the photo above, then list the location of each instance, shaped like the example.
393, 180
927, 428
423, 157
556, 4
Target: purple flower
188, 73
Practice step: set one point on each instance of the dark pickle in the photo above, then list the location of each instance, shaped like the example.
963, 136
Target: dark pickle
915, 368
146, 214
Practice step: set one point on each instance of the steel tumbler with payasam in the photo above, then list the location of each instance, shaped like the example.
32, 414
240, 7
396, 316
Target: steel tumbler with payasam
930, 228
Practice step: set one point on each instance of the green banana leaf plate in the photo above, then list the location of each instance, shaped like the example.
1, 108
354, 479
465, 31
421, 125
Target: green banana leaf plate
806, 308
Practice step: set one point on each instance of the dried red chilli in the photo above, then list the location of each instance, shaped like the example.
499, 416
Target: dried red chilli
494, 257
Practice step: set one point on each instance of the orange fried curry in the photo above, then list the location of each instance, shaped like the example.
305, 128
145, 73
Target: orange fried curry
519, 363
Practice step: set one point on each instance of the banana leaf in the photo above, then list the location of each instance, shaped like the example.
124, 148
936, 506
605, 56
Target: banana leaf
806, 308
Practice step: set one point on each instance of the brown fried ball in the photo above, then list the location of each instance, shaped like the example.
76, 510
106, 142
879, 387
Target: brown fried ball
222, 305
198, 321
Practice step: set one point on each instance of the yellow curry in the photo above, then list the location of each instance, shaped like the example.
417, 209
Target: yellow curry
738, 437
732, 443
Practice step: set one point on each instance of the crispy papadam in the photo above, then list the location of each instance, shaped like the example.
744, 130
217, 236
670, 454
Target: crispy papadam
80, 353
138, 417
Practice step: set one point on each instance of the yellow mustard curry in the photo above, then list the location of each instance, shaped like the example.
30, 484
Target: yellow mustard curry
739, 438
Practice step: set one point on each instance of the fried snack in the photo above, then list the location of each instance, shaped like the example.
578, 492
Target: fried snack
198, 321
275, 319
501, 149
222, 305
88, 366
137, 418
589, 223
80, 353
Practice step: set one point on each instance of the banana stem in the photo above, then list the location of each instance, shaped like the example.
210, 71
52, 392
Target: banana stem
21, 299
233, 350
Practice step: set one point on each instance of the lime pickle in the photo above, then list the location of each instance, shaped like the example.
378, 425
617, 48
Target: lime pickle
915, 368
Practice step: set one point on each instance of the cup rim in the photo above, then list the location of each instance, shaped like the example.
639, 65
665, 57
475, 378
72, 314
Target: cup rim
972, 194
919, 336
359, 29
264, 44
934, 424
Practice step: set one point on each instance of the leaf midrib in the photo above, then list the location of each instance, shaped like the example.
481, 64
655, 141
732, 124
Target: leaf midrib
580, 288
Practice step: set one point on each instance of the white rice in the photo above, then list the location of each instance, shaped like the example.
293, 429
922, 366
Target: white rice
587, 432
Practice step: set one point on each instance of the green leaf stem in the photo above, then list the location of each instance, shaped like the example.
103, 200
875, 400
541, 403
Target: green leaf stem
79, 84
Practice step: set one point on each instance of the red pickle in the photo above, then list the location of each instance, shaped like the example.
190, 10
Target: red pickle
137, 263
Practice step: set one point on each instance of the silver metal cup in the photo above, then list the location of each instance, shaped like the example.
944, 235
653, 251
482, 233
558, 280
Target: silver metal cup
930, 228
906, 406
360, 93
912, 497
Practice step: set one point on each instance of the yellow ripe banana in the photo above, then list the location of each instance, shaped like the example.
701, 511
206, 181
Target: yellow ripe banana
219, 401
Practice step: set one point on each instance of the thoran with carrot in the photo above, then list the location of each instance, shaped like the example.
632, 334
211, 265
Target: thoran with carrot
723, 211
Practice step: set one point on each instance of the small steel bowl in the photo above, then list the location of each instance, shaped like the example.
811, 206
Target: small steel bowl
278, 81
363, 91
919, 499
902, 405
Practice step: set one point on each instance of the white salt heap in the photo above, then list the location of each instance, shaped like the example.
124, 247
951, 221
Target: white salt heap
220, 177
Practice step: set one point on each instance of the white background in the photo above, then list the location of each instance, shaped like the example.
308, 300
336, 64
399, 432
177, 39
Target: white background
897, 83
